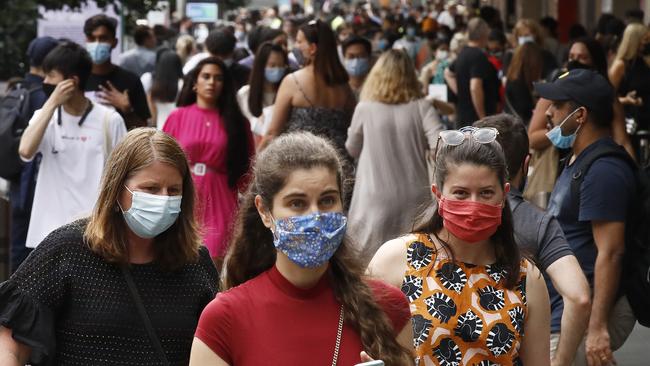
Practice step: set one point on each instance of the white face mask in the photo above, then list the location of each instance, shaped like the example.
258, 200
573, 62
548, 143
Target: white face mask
442, 55
525, 39
151, 214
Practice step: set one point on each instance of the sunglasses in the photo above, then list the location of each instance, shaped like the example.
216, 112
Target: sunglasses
483, 135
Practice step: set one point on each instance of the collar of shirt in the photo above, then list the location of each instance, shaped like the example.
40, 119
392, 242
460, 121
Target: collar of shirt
33, 78
515, 193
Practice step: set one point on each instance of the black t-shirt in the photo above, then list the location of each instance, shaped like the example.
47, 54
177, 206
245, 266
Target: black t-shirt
240, 74
74, 307
471, 63
124, 80
637, 77
519, 100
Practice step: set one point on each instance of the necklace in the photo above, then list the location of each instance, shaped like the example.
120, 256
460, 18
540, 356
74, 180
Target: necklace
339, 335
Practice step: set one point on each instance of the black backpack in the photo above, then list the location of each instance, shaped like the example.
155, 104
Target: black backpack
14, 117
635, 279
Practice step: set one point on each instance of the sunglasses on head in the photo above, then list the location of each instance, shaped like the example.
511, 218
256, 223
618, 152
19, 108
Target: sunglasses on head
483, 135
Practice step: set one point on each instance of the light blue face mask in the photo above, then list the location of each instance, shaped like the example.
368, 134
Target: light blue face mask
560, 141
411, 32
100, 52
310, 240
151, 214
357, 66
274, 74
382, 44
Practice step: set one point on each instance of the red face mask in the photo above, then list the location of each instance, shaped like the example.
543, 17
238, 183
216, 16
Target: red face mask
470, 221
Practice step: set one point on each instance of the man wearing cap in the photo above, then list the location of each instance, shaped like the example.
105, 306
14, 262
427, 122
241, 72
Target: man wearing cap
21, 191
592, 217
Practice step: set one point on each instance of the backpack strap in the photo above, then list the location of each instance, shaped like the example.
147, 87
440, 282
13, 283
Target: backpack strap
585, 162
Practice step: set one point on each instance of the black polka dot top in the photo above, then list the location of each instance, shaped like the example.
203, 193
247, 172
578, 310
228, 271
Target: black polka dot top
74, 308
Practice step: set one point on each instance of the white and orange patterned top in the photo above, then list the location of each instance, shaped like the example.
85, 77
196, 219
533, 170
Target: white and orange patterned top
462, 313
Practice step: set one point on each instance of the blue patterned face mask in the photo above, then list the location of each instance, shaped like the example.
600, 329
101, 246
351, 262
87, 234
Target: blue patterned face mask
310, 240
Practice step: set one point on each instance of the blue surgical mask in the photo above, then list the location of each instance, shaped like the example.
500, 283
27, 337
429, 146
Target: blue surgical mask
560, 141
357, 66
100, 52
151, 214
410, 32
274, 74
525, 39
382, 44
310, 240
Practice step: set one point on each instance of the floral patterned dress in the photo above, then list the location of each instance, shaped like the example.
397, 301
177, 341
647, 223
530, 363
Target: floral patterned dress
462, 313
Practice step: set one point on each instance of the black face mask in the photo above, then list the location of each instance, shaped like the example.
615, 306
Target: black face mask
575, 64
646, 49
48, 89
297, 53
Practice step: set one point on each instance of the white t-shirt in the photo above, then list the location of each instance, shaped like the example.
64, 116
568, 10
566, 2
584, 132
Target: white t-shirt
163, 109
260, 124
71, 168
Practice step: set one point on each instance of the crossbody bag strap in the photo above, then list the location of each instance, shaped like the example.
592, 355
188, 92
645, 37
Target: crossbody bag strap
108, 141
155, 342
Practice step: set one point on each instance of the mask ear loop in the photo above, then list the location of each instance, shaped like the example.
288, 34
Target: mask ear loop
273, 226
567, 118
118, 202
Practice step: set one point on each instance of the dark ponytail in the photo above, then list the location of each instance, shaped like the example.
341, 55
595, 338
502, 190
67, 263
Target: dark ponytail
327, 64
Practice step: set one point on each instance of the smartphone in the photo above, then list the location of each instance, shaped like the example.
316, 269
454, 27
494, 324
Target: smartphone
371, 363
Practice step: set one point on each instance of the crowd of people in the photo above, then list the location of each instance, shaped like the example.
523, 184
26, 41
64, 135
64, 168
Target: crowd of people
416, 185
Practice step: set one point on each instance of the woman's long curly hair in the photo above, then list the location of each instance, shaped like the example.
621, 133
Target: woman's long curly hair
252, 251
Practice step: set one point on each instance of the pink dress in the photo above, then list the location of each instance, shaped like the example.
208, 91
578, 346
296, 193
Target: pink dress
203, 137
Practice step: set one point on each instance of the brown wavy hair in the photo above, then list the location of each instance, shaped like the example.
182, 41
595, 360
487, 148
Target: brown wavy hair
106, 230
527, 64
252, 251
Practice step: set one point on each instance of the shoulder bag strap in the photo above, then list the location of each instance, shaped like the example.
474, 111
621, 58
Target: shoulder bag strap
108, 141
155, 342
582, 167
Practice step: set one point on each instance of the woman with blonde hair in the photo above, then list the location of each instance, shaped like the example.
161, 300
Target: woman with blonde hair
392, 128
185, 47
125, 286
629, 49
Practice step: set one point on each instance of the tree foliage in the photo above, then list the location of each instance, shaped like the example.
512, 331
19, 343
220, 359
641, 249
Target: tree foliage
19, 19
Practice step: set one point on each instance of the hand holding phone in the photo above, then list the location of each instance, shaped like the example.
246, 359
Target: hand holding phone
371, 363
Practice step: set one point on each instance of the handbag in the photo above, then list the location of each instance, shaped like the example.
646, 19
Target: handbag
155, 342
542, 176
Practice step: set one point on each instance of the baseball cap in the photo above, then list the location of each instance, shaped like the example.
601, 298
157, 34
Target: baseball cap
586, 87
39, 48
